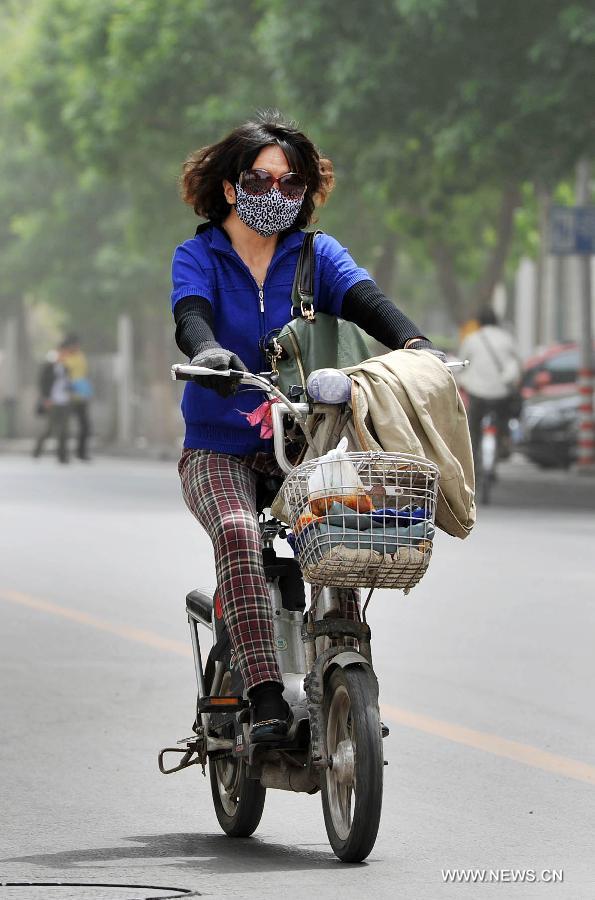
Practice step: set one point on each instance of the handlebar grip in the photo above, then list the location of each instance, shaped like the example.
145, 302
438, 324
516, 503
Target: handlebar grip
181, 376
181, 372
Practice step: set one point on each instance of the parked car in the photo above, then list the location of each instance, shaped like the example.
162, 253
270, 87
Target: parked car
552, 372
548, 425
548, 430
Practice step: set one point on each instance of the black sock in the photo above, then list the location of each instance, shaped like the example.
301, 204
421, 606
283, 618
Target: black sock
268, 702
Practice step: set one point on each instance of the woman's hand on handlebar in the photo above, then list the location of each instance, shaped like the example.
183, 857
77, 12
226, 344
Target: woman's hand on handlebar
215, 357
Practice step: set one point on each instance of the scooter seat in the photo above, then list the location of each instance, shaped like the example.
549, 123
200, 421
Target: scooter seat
200, 606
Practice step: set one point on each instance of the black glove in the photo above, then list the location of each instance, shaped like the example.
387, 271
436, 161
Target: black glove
212, 356
424, 344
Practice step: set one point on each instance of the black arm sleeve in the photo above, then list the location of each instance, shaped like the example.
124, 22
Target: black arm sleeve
366, 306
194, 325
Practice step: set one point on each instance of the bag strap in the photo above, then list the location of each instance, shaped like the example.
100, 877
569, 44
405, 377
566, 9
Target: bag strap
302, 292
495, 358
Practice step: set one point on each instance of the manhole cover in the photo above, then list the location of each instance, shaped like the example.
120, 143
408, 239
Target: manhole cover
80, 890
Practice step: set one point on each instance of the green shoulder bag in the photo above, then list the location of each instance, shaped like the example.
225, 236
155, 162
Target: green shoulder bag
311, 340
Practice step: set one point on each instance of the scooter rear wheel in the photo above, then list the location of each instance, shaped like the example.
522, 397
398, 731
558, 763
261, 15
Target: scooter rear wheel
238, 800
352, 786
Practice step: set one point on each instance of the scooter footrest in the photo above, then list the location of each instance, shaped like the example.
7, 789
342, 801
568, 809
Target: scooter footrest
222, 704
186, 758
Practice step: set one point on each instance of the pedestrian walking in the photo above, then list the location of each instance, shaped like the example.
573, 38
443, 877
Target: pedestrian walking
54, 402
80, 392
492, 378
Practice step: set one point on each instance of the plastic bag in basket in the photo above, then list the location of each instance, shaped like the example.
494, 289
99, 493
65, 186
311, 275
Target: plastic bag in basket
335, 478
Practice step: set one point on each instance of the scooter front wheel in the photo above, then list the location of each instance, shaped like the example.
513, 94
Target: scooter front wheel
352, 786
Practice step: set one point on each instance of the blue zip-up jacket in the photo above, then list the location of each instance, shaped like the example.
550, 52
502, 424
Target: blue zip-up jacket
208, 266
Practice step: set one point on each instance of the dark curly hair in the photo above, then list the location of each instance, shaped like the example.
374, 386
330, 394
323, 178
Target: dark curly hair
205, 170
487, 316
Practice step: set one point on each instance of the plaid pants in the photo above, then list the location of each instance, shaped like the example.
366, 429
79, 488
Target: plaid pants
220, 491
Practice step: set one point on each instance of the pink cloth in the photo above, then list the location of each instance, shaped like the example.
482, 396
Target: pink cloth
262, 416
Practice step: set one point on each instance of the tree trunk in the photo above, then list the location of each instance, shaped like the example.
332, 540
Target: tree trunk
459, 305
447, 280
20, 379
160, 418
494, 268
544, 199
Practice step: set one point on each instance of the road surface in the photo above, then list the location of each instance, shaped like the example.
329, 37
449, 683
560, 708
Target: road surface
486, 672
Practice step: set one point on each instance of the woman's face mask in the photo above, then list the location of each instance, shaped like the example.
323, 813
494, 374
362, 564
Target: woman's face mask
268, 213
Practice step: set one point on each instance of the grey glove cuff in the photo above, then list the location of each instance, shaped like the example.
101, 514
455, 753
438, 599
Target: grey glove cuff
419, 343
425, 344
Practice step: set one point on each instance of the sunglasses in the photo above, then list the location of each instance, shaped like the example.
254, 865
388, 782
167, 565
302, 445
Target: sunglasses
259, 181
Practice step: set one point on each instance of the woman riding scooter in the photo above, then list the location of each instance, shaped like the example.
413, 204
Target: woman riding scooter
257, 188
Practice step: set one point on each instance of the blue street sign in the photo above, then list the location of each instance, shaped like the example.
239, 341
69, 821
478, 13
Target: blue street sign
572, 230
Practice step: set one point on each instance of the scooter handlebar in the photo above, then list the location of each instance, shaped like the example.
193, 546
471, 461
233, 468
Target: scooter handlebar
181, 372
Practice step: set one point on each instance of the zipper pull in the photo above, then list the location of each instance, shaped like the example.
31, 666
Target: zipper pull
261, 297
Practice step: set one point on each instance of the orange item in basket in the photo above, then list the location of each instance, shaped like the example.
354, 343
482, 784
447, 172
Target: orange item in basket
359, 502
320, 506
303, 521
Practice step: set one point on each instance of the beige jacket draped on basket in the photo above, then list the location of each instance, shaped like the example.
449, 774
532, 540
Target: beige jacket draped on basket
407, 401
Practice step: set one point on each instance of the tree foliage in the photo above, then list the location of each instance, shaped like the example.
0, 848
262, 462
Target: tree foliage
443, 109
440, 115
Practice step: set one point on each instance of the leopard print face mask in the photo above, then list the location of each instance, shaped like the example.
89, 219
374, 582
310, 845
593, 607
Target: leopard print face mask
268, 213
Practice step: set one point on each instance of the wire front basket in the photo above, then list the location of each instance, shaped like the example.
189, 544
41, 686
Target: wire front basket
364, 519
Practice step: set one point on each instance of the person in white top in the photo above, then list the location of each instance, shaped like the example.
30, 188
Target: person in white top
492, 378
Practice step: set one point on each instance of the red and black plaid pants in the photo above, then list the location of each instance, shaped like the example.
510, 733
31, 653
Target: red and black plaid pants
220, 491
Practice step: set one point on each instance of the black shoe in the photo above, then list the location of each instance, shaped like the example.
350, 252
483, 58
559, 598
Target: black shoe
271, 715
271, 730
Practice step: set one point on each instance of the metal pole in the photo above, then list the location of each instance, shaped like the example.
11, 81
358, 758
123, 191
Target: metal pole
586, 436
541, 274
124, 383
10, 375
11, 356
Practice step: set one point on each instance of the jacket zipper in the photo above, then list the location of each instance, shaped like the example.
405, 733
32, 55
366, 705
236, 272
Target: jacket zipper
262, 319
260, 288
